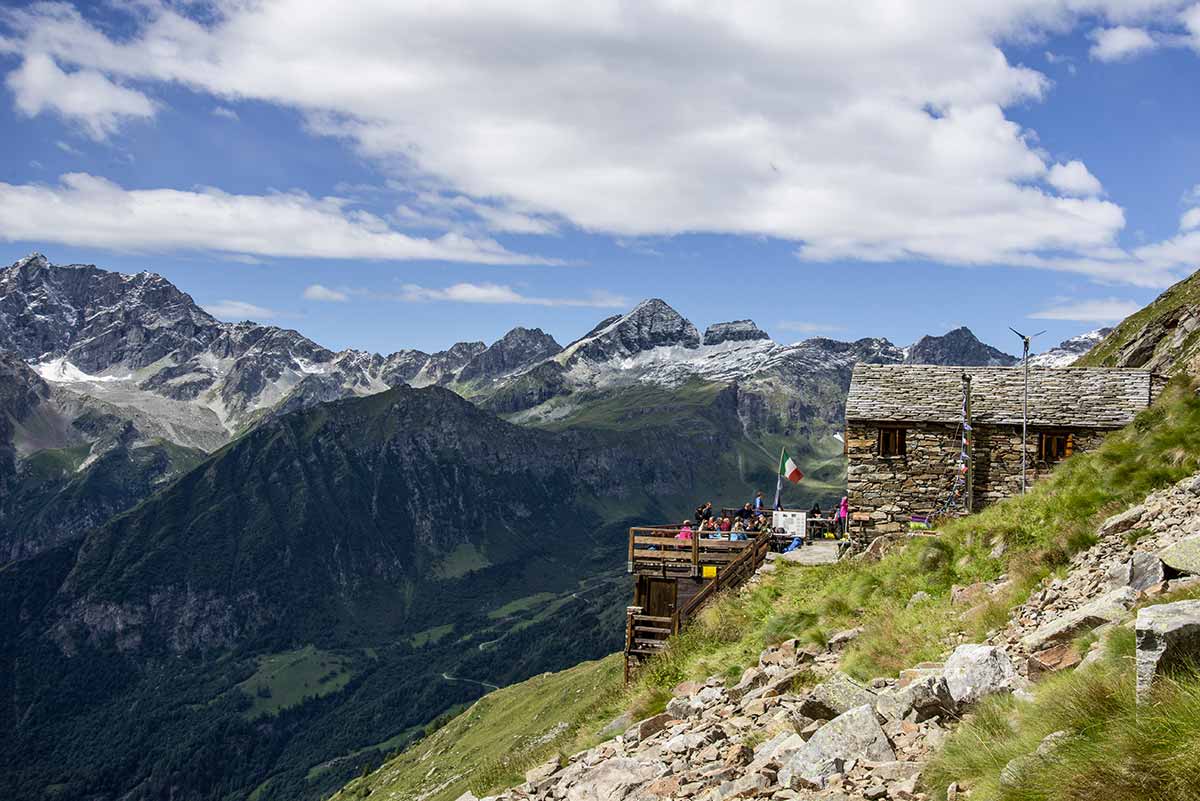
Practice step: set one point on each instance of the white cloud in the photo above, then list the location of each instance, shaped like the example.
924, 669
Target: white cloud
67, 148
88, 211
829, 125
502, 294
1089, 311
1121, 42
226, 112
1073, 178
1190, 220
84, 96
430, 209
325, 294
237, 310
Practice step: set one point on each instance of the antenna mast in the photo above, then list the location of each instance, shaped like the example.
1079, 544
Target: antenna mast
1025, 406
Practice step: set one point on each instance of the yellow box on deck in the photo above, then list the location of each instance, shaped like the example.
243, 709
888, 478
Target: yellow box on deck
709, 571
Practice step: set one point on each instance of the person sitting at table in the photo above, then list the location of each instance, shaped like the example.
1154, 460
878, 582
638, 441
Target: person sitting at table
815, 511
738, 525
685, 533
726, 524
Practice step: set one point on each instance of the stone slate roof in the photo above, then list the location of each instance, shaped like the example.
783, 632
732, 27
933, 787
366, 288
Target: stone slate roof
1071, 396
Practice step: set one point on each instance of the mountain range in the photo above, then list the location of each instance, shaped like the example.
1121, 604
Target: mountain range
250, 538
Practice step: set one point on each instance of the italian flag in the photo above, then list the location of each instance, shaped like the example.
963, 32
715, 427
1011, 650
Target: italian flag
789, 469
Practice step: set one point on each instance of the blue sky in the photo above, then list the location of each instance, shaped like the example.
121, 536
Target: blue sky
404, 177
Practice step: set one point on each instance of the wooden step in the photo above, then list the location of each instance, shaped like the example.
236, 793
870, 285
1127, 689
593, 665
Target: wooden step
650, 643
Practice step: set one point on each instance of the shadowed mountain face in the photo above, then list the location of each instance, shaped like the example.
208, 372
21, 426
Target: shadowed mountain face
321, 574
958, 347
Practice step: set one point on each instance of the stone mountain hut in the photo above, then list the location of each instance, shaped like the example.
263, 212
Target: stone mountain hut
908, 458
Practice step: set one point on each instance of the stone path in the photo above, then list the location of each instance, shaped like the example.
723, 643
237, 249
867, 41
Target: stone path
819, 552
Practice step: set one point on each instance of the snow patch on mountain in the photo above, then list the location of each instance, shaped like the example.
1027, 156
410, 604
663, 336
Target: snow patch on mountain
1069, 350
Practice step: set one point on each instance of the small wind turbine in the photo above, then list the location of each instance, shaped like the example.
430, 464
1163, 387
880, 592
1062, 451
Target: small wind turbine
1025, 340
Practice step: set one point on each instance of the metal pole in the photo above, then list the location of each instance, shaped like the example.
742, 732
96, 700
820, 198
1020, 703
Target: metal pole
1025, 419
968, 440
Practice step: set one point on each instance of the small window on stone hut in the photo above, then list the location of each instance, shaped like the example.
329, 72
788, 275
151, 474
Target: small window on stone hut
891, 441
1054, 446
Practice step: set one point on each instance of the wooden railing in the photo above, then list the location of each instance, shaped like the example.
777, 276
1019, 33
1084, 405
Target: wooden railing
646, 635
658, 550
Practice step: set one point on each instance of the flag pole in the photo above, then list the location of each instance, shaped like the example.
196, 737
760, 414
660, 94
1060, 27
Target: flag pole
778, 479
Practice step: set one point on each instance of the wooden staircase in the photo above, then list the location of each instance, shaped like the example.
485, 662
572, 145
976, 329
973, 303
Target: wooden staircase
655, 552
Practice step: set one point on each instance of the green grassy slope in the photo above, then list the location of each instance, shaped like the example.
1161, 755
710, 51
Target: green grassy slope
1114, 750
499, 736
1040, 532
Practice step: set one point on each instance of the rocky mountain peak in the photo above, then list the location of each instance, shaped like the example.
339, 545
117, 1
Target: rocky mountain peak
651, 324
959, 347
520, 347
734, 331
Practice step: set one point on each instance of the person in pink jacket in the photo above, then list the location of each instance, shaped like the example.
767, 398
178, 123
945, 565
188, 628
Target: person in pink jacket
685, 533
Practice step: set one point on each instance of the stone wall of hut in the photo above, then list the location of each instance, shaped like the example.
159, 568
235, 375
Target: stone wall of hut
885, 492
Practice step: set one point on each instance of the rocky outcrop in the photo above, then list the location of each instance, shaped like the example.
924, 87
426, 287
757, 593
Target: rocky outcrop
736, 331
1168, 635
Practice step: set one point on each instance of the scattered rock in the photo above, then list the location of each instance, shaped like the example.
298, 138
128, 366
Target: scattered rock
653, 725
1122, 522
1141, 571
928, 698
1183, 556
611, 779
752, 679
853, 735
1014, 772
842, 638
1052, 660
835, 695
684, 707
1167, 635
536, 776
976, 671
1106, 609
616, 726
918, 597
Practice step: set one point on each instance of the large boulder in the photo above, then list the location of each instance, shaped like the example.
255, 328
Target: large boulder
612, 779
835, 695
1168, 635
977, 671
1107, 608
926, 698
1183, 556
1141, 572
855, 734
